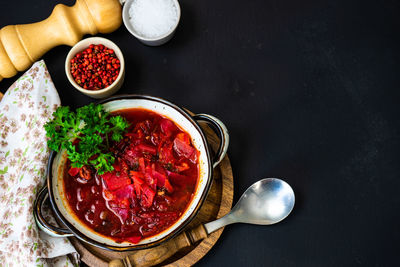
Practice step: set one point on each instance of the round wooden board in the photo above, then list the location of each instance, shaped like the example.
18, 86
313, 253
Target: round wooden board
217, 204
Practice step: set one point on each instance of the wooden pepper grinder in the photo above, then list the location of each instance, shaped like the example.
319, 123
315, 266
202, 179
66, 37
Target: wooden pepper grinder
22, 45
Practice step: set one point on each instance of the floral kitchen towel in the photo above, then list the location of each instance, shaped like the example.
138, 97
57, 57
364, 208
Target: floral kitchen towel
25, 108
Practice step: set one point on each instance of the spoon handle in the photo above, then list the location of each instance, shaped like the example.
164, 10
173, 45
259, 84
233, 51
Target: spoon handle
221, 222
150, 257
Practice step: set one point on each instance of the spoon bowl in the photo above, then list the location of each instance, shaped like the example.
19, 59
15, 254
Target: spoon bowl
266, 202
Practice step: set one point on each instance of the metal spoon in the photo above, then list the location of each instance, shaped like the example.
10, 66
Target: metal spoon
266, 202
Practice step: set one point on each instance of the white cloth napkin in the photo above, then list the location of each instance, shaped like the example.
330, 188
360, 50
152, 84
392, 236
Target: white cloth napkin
25, 108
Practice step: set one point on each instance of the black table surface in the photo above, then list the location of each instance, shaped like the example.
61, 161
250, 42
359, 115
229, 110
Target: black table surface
309, 91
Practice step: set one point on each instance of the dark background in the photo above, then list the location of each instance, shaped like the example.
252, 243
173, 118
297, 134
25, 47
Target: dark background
309, 91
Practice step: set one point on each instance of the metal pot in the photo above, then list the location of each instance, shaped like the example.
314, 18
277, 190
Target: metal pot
74, 227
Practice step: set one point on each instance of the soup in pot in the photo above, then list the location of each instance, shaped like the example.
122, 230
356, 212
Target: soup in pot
155, 175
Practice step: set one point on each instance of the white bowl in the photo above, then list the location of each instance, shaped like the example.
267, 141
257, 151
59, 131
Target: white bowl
155, 41
82, 45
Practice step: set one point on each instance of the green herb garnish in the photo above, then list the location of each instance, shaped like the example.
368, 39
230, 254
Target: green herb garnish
86, 135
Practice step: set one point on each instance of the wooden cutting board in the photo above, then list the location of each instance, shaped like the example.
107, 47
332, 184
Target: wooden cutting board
217, 204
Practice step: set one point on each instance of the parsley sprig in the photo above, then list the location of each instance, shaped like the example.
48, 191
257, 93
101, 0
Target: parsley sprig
86, 135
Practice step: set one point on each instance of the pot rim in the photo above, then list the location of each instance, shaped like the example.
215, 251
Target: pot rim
175, 232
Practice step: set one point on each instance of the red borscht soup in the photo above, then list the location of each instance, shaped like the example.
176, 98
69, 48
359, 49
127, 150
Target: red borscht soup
154, 178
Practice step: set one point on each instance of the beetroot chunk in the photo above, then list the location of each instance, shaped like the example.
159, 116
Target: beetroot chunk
185, 150
73, 171
115, 180
134, 239
165, 154
177, 178
125, 192
147, 196
149, 178
147, 149
160, 178
168, 127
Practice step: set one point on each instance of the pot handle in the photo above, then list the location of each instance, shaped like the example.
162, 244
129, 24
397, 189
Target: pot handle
40, 220
221, 131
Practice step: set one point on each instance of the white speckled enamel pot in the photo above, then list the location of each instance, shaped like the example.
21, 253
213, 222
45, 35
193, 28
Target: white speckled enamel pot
55, 186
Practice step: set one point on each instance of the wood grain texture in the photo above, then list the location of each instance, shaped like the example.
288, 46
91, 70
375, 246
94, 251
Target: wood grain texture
217, 204
156, 255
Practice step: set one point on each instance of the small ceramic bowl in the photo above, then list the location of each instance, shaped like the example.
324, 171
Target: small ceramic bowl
154, 41
82, 45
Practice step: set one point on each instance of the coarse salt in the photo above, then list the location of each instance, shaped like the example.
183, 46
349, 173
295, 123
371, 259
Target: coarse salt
153, 18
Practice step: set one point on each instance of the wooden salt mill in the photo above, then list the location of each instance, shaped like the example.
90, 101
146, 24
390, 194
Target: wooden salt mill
22, 45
